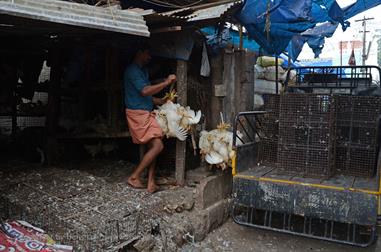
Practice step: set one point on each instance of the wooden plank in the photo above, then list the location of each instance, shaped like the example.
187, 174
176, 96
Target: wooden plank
166, 29
229, 81
181, 74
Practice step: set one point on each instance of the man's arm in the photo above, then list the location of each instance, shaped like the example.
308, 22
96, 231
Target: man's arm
154, 89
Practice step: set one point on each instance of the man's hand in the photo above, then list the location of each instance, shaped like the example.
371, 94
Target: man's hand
154, 89
171, 79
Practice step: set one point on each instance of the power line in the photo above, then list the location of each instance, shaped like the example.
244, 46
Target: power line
364, 51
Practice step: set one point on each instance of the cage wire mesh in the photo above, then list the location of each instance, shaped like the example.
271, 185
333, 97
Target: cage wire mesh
267, 126
307, 134
72, 220
5, 125
27, 121
357, 134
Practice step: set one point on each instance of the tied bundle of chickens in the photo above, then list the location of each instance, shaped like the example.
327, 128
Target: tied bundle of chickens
174, 119
216, 146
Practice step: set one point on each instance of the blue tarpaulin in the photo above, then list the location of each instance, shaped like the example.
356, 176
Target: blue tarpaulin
315, 39
216, 39
278, 24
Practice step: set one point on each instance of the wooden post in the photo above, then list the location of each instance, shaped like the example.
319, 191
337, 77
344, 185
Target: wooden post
240, 37
53, 107
181, 73
276, 75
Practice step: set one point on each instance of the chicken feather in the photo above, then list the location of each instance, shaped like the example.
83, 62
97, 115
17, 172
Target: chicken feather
175, 120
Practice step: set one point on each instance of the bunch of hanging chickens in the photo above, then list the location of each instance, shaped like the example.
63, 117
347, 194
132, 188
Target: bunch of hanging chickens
216, 146
176, 120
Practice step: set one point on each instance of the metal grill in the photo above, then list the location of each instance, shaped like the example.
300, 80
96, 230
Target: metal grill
28, 121
304, 160
357, 119
307, 134
342, 79
268, 151
267, 126
167, 159
357, 109
5, 125
346, 233
356, 161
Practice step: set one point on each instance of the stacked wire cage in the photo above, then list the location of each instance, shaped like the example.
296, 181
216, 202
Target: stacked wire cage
267, 126
307, 134
357, 135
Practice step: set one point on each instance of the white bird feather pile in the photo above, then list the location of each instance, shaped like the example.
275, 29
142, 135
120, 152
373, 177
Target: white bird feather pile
176, 120
216, 146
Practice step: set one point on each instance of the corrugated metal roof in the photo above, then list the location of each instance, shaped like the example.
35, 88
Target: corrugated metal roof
212, 12
123, 21
195, 13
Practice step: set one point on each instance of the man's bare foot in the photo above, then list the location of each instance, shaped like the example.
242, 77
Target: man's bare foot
152, 188
135, 183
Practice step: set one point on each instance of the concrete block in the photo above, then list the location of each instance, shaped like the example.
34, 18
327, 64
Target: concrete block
200, 225
208, 219
213, 189
198, 174
218, 213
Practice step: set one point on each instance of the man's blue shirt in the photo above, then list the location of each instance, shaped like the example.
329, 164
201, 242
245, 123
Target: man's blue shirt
135, 79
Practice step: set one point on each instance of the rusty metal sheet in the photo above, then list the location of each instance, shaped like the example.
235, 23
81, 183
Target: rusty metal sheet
82, 15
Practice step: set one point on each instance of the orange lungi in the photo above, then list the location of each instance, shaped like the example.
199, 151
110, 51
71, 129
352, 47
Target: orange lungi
143, 126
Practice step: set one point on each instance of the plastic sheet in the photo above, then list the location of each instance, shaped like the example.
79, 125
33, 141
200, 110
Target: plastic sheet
274, 24
22, 236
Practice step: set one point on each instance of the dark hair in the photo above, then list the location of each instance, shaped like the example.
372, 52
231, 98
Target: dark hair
141, 47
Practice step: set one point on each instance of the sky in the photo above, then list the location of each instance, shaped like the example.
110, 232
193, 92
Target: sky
332, 49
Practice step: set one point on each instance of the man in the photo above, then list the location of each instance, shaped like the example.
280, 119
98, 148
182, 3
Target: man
144, 128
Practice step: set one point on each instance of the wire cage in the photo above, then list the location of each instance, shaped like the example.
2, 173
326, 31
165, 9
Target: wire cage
5, 125
357, 134
307, 134
28, 121
267, 127
167, 159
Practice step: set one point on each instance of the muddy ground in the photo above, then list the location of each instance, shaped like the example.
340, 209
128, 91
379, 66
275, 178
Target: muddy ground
233, 237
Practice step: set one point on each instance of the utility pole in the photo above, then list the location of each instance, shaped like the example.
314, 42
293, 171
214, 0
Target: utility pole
364, 51
341, 53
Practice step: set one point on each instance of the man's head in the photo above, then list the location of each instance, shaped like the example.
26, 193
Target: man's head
142, 55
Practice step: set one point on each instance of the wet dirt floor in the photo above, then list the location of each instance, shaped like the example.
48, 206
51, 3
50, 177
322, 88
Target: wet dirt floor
233, 237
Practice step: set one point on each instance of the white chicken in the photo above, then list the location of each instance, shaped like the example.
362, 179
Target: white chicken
176, 120
216, 146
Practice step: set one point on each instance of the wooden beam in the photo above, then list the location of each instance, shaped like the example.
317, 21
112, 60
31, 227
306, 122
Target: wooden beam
53, 107
166, 29
181, 73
